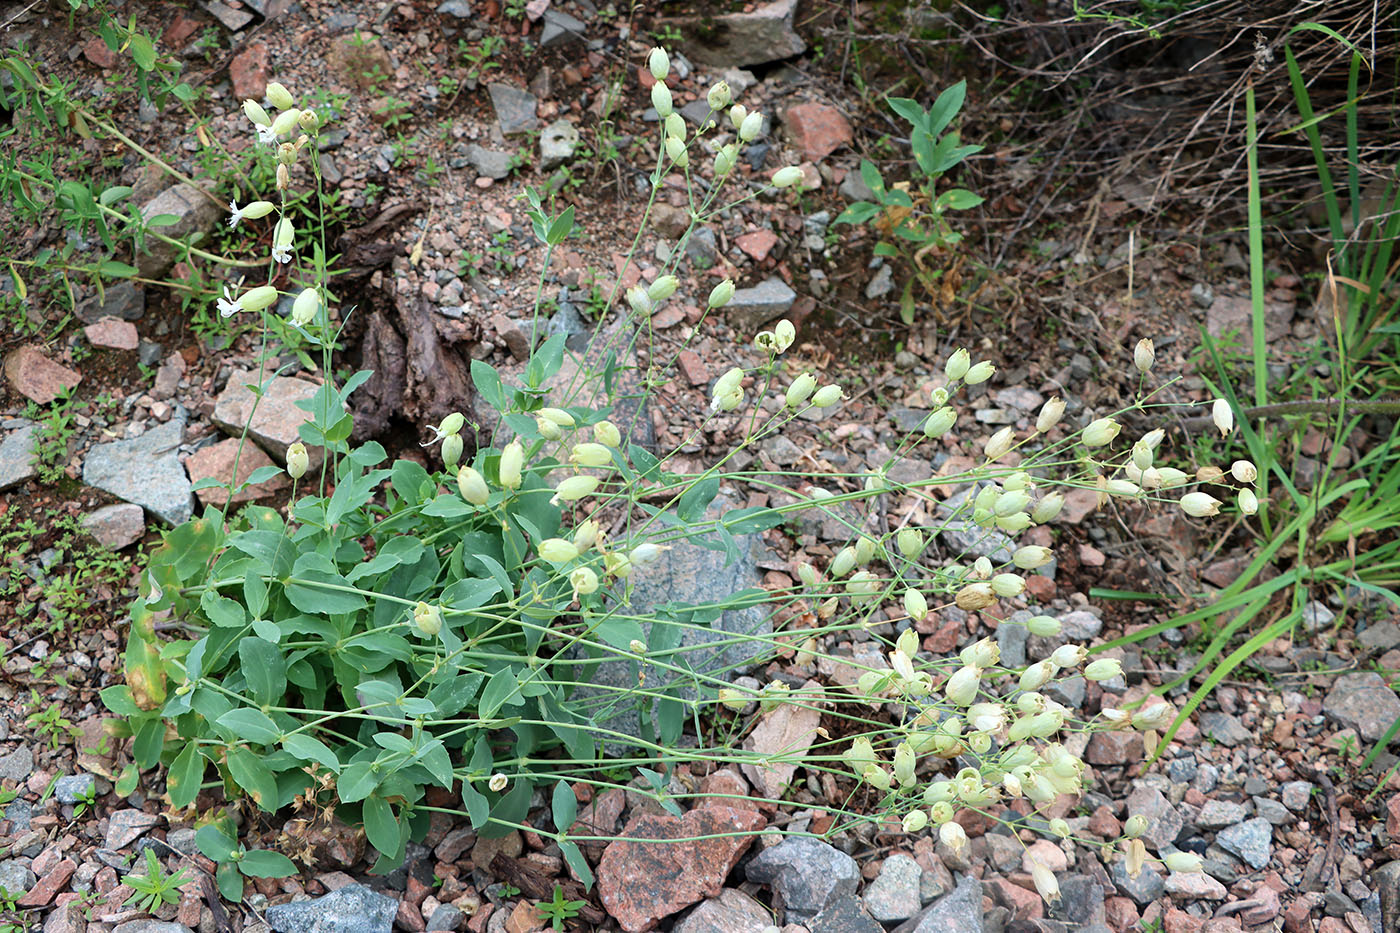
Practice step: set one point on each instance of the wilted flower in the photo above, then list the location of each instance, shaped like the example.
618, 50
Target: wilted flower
999, 443
975, 596
784, 333
914, 821
1068, 656
1037, 675
584, 581
961, 688
1135, 857
1045, 882
952, 835
1154, 717
498, 782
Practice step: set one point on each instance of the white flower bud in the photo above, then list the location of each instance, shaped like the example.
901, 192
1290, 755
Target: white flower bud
1044, 626
676, 151
254, 112
737, 114
750, 126
979, 373
589, 454
575, 488
256, 299
1037, 675
999, 443
1184, 862
558, 550
1103, 669
472, 486
911, 542
725, 160
1222, 415
959, 362
659, 63
675, 127
1100, 433
915, 605
843, 563
305, 307
512, 459
1009, 503
1244, 471
607, 434
952, 835
548, 429
1135, 826
297, 460
427, 619
645, 554
1200, 504
940, 422
863, 586
914, 821
451, 450
1060, 827
1142, 456
286, 122
661, 100
1144, 355
1050, 414
1170, 476
961, 688
719, 96
865, 549
1068, 656
801, 389
664, 287
904, 762
279, 96
1247, 501
584, 580
1047, 508
721, 294
1121, 487
1032, 557
308, 121
1008, 585
982, 653
787, 177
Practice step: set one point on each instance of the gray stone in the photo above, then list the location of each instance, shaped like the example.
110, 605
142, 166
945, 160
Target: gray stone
881, 285
489, 162
557, 142
1069, 691
232, 19
781, 450
854, 188
1386, 880
1224, 728
1182, 770
751, 308
907, 420
732, 911
17, 456
702, 251
17, 765
72, 788
448, 918
1380, 636
1202, 295
515, 109
124, 300
146, 471
1362, 701
1295, 795
1217, 814
1081, 902
182, 840
894, 894
116, 526
957, 912
1144, 889
1080, 625
1164, 820
126, 826
561, 29
275, 423
458, 8
967, 539
15, 876
738, 40
1317, 617
846, 915
21, 814
151, 926
194, 212
686, 575
351, 909
696, 113
807, 874
1251, 840
1273, 811
1011, 639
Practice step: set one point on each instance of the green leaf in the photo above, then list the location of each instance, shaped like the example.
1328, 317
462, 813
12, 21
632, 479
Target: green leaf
184, 777
254, 777
149, 743
751, 520
469, 593
306, 596
695, 500
250, 725
357, 781
230, 882
959, 199
264, 668
264, 863
945, 108
503, 688
560, 227
871, 176
577, 862
117, 698
620, 632
448, 505
215, 844
143, 52
563, 806
381, 826
435, 758
857, 213
400, 549
488, 383
645, 462
110, 267
222, 611
545, 361
307, 748
126, 782
908, 109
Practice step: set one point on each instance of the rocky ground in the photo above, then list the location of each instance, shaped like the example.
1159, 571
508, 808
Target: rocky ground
1264, 783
